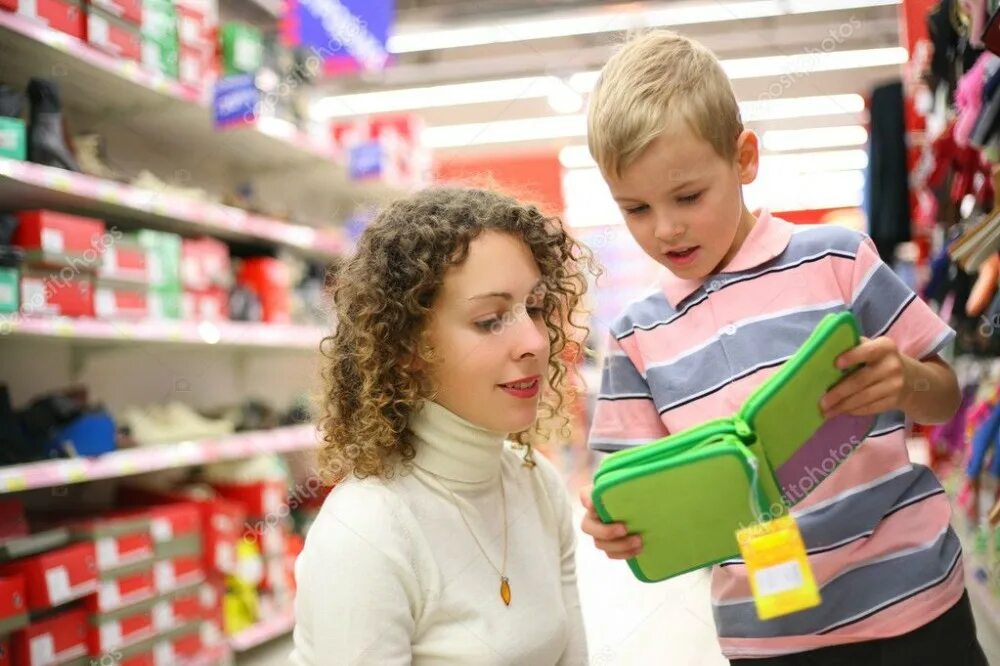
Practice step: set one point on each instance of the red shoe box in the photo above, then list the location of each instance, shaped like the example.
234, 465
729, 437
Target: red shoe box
174, 520
269, 280
173, 612
54, 640
106, 634
13, 605
222, 527
208, 305
123, 591
125, 262
260, 500
115, 301
13, 522
57, 576
178, 573
10, 6
210, 597
50, 238
47, 293
63, 15
126, 10
204, 263
120, 539
113, 35
5, 656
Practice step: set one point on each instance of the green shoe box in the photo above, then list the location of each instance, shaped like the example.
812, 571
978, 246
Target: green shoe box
13, 139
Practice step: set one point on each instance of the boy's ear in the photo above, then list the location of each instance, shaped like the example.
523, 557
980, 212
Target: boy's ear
748, 156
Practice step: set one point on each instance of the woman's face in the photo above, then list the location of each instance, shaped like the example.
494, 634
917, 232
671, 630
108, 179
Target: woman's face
488, 335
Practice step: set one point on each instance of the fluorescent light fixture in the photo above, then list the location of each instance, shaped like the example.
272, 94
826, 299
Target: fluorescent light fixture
804, 63
816, 137
613, 19
563, 99
792, 66
800, 107
428, 97
505, 131
529, 87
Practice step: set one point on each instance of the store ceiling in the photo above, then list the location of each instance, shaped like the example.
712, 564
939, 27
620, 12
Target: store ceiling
848, 33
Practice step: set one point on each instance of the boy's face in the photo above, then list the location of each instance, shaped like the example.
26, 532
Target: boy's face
683, 203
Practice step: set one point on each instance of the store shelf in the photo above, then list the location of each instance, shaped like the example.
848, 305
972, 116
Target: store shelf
268, 629
212, 657
52, 473
27, 185
220, 334
151, 105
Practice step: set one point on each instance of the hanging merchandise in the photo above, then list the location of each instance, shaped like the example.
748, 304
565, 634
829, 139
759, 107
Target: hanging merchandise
887, 182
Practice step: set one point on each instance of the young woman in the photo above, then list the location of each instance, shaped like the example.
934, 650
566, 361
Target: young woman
443, 542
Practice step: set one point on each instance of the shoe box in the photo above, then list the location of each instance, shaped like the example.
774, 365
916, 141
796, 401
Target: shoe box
268, 278
45, 292
261, 500
203, 305
119, 540
123, 589
13, 604
10, 6
54, 639
130, 11
121, 302
55, 577
125, 260
174, 573
113, 35
160, 45
107, 632
13, 136
58, 240
66, 16
205, 263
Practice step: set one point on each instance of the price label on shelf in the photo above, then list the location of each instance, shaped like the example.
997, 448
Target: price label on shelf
64, 328
75, 473
61, 183
15, 482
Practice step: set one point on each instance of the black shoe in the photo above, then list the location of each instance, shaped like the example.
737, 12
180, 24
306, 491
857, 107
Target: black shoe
46, 140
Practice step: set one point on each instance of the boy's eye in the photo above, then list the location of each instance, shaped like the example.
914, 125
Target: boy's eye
690, 198
635, 210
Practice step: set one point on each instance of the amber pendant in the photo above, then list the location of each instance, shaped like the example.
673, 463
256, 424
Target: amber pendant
505, 590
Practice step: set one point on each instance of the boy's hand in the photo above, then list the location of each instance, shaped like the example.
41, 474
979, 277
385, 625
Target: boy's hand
881, 384
612, 538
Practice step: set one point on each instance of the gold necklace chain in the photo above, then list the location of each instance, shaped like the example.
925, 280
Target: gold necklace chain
502, 572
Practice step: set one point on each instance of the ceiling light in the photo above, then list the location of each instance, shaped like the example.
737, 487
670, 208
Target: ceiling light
816, 137
529, 87
612, 19
563, 99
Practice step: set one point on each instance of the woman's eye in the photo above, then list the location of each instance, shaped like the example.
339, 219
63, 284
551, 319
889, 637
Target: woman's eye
487, 324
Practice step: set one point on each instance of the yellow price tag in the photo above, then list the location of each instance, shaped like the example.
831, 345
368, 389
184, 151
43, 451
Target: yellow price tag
781, 578
16, 483
75, 474
127, 466
64, 328
62, 183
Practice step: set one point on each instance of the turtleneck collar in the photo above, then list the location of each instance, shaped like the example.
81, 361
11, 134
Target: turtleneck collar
451, 447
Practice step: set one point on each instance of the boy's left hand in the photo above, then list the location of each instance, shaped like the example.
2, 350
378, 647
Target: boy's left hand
879, 385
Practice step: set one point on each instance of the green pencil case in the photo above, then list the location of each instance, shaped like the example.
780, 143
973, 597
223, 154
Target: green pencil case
688, 494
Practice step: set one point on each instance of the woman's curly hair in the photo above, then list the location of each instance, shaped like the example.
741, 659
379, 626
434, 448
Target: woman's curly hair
383, 295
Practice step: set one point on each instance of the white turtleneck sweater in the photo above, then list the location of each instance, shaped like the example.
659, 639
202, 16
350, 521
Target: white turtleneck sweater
391, 575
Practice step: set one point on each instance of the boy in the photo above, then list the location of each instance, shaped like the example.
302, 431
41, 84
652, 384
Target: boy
740, 294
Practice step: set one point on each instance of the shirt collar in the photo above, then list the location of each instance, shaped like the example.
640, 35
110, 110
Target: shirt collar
767, 239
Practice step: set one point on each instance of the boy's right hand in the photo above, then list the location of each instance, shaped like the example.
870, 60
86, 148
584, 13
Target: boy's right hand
612, 538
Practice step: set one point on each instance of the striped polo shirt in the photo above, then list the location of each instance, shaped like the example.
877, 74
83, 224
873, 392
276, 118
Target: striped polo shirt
877, 529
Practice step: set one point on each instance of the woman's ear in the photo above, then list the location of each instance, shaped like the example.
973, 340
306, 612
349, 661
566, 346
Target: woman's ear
748, 156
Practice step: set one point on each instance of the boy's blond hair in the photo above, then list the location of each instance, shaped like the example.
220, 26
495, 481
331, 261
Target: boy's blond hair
653, 81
